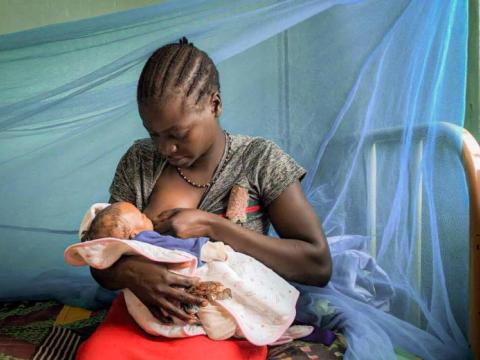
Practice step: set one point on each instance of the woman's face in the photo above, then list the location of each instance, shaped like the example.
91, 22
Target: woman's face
181, 133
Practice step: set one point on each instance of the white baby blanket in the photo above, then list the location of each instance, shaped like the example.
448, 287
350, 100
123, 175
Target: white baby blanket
262, 303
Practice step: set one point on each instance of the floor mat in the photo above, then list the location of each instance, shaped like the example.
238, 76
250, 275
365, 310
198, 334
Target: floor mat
29, 329
299, 350
49, 330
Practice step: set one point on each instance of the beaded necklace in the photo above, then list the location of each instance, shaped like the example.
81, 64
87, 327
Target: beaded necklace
211, 182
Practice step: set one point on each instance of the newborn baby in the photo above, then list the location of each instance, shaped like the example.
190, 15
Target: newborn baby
245, 298
123, 220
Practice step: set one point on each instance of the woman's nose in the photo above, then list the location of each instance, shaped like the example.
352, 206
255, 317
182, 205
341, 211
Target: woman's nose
170, 149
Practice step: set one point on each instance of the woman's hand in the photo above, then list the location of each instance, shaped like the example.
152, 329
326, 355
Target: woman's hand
160, 289
183, 223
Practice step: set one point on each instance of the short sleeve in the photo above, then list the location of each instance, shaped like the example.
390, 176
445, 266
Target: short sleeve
271, 169
122, 187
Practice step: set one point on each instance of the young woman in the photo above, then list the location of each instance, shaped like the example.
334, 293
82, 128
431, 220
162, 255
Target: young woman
182, 178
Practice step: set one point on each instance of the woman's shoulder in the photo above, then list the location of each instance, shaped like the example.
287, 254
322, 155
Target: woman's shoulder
143, 145
255, 148
251, 145
140, 155
267, 168
141, 149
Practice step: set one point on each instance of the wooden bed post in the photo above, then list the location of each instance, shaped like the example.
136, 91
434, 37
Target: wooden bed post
471, 159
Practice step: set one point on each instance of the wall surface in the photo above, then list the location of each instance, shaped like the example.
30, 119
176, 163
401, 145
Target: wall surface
18, 15
472, 113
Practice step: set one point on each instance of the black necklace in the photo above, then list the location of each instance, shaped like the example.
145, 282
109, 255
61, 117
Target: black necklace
211, 182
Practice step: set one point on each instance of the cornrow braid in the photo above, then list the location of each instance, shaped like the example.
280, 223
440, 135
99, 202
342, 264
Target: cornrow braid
178, 68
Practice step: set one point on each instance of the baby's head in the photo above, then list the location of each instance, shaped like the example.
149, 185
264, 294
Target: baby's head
120, 220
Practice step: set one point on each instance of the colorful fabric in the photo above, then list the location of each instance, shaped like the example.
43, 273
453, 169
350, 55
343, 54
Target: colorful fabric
60, 343
237, 204
30, 329
301, 350
17, 320
239, 216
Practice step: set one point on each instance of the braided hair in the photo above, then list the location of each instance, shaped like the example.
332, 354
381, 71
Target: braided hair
177, 68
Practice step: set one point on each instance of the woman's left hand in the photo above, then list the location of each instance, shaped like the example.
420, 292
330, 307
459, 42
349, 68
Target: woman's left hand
183, 222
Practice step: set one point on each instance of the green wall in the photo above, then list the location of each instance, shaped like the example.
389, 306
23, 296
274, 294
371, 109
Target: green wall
18, 15
472, 113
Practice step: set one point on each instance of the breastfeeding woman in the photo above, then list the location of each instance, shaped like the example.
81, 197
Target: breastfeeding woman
194, 179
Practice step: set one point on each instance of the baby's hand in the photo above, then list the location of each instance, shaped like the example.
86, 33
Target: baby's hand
184, 223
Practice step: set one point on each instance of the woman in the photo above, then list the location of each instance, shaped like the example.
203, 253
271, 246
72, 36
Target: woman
183, 175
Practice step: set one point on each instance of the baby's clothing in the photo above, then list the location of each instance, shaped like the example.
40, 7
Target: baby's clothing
262, 306
191, 245
217, 323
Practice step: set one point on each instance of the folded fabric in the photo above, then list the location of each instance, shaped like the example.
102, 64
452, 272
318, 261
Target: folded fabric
262, 303
358, 275
89, 216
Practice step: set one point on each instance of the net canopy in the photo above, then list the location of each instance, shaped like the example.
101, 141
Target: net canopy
367, 95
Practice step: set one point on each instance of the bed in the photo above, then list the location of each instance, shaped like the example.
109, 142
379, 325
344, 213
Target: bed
50, 330
448, 135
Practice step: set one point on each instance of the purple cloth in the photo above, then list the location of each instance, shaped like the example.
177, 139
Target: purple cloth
190, 245
324, 336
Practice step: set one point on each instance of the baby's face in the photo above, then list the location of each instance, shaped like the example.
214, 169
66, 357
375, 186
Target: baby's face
137, 221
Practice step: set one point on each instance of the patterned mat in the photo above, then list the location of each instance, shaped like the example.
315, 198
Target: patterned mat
50, 330
44, 330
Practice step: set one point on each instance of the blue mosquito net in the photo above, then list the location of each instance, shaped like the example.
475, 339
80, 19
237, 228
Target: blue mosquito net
367, 95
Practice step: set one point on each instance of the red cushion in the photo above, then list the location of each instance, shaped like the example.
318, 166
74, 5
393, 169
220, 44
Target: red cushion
119, 337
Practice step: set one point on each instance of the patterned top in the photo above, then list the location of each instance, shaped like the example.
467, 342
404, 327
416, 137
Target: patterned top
257, 164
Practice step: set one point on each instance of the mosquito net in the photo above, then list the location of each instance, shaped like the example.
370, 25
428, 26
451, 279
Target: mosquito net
367, 95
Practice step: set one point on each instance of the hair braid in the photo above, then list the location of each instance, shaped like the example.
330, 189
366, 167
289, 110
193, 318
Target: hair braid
163, 72
178, 67
187, 65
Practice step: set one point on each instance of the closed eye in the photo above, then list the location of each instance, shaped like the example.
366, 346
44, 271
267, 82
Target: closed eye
181, 135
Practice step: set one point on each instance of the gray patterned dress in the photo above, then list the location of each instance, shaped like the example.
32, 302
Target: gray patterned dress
255, 163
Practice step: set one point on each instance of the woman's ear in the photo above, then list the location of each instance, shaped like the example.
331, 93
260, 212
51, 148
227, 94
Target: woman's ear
216, 104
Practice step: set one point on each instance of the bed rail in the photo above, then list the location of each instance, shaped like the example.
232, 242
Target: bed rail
454, 136
471, 160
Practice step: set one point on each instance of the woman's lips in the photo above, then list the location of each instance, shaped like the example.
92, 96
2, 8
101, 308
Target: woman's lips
177, 160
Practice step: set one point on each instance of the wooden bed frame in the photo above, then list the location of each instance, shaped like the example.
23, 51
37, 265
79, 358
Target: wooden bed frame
471, 161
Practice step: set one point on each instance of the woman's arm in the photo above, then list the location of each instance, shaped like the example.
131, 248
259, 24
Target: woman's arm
300, 254
152, 283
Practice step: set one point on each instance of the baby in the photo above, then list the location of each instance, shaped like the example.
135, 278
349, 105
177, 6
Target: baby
243, 297
123, 220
